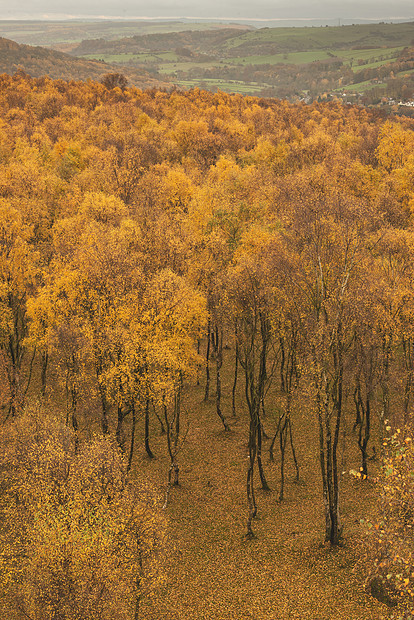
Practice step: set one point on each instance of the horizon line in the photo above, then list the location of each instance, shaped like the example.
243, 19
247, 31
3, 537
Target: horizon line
69, 17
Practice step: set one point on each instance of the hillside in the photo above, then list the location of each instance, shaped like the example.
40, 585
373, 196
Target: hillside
39, 61
361, 36
228, 42
207, 41
284, 62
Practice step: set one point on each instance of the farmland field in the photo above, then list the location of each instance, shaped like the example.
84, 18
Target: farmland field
244, 88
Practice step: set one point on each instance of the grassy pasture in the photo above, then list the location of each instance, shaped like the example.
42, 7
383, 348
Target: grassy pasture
402, 73
360, 87
356, 54
131, 57
371, 65
172, 67
233, 86
377, 35
294, 58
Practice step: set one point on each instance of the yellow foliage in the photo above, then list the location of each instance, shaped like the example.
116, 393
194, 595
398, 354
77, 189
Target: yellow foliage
395, 145
102, 208
79, 541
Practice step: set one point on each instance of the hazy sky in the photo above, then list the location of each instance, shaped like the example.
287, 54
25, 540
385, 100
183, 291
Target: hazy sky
266, 9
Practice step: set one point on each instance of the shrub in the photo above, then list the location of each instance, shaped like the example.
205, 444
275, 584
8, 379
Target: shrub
79, 540
393, 535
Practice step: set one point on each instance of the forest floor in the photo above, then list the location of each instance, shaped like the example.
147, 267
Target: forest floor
286, 571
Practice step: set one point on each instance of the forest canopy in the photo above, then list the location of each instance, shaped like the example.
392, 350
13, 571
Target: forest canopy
153, 243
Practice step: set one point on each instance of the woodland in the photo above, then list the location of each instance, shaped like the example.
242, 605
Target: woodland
206, 341
39, 61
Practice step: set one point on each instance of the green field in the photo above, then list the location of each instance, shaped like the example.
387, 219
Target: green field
377, 35
360, 87
402, 73
371, 65
358, 54
242, 88
172, 68
294, 58
135, 58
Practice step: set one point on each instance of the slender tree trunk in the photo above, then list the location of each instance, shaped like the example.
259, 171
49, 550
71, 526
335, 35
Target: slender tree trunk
258, 399
43, 373
407, 396
336, 530
119, 433
171, 455
322, 414
177, 414
364, 437
131, 446
254, 388
236, 368
386, 352
146, 433
329, 411
74, 402
104, 404
282, 365
13, 376
139, 596
284, 427
162, 428
198, 353
263, 480
323, 457
251, 499
363, 404
282, 441
358, 403
29, 378
363, 416
263, 410
72, 392
137, 607
408, 361
293, 451
271, 455
207, 389
218, 346
172, 435
15, 354
285, 430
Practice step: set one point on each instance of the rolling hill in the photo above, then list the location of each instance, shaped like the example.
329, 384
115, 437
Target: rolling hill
361, 61
39, 61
